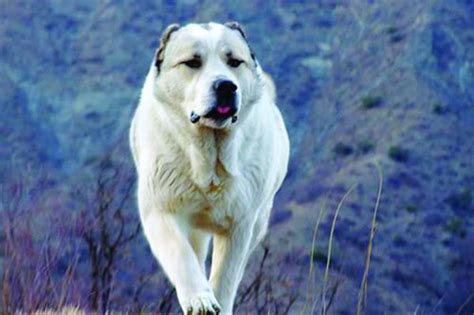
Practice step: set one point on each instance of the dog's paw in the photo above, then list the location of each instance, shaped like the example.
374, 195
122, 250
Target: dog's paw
201, 304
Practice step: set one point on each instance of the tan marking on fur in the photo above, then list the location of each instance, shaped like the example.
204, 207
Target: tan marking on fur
212, 187
220, 170
205, 221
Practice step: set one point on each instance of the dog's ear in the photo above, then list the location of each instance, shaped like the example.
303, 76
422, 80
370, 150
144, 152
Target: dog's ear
237, 27
165, 37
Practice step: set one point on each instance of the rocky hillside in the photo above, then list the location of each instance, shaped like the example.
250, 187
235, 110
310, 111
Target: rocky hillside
360, 83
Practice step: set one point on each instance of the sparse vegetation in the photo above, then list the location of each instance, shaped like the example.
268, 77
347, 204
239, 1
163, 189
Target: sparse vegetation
395, 38
394, 34
342, 149
267, 291
455, 226
371, 101
411, 208
106, 229
399, 241
391, 30
320, 256
366, 146
49, 265
460, 201
439, 109
398, 154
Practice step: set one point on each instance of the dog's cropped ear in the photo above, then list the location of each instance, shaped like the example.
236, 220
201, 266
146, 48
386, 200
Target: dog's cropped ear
237, 27
165, 37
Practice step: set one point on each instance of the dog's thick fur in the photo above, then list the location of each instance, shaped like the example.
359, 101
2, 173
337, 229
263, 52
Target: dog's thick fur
208, 179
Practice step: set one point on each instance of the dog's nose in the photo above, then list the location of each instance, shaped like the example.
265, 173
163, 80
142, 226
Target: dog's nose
224, 87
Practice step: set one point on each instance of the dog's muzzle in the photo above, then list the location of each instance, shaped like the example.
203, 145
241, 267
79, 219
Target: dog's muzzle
225, 105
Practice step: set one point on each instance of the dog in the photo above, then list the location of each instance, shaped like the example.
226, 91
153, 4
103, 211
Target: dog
211, 150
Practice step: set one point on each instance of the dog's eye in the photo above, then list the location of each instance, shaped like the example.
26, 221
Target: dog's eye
193, 63
234, 63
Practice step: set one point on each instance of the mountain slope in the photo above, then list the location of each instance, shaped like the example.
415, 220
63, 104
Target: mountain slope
359, 83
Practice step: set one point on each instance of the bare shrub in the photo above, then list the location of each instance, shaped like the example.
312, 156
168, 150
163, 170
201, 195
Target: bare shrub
106, 227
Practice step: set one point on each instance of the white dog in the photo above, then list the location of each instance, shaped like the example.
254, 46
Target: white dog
211, 151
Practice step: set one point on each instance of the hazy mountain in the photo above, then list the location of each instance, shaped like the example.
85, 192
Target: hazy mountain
359, 83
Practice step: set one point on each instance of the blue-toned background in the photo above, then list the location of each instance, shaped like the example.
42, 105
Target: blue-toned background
359, 83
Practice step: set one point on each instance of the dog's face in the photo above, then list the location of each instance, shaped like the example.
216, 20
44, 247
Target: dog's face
208, 73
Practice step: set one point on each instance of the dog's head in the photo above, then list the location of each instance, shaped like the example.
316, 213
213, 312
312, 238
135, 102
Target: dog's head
207, 72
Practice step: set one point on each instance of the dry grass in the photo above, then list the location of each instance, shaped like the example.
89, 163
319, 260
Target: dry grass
64, 311
327, 293
309, 292
362, 301
468, 300
329, 253
326, 299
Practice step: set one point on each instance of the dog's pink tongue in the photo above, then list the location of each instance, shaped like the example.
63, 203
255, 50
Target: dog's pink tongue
223, 109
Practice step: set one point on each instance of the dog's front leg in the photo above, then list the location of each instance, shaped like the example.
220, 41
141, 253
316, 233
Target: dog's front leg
167, 235
229, 257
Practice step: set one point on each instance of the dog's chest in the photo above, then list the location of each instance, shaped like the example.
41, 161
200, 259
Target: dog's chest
216, 210
201, 187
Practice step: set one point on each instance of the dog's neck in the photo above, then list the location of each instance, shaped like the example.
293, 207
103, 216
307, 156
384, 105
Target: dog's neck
213, 156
